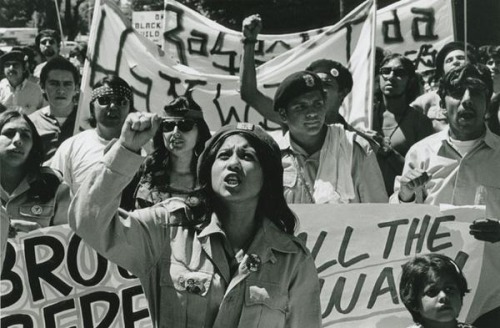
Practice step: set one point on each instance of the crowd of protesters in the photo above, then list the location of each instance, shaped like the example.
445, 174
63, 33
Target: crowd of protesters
229, 192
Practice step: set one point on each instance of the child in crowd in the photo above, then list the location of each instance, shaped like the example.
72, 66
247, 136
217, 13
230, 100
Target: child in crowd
432, 288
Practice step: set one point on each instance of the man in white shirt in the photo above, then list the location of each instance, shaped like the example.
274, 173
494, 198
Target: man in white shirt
16, 90
460, 166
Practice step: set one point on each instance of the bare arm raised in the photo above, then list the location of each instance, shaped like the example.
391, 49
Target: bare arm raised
248, 75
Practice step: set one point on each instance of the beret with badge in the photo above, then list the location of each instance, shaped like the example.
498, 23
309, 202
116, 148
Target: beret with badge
295, 85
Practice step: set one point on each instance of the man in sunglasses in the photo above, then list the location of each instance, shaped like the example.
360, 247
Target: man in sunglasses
110, 104
460, 166
48, 42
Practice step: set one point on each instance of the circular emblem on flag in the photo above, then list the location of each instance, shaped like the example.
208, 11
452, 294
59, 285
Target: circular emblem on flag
334, 72
36, 209
309, 80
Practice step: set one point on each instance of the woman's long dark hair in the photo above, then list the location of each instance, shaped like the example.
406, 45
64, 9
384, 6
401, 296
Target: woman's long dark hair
272, 203
37, 153
412, 86
157, 164
45, 185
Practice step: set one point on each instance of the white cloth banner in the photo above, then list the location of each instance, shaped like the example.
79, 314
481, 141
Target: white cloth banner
53, 279
115, 47
415, 28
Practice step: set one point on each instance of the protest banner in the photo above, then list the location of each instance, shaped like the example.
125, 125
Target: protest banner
149, 24
157, 78
52, 279
415, 28
116, 48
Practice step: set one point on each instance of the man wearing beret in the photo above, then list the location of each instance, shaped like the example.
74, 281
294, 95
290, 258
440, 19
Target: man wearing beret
48, 41
16, 90
322, 163
460, 166
337, 80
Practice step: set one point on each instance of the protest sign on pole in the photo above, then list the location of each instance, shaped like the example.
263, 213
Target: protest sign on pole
53, 279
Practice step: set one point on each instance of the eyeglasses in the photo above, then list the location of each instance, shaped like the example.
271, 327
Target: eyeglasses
397, 71
183, 125
107, 100
48, 41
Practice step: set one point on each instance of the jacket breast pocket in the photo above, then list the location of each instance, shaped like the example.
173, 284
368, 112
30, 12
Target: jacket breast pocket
491, 197
266, 303
39, 213
184, 296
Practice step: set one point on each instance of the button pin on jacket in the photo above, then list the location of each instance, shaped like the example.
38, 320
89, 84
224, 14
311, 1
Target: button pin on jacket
253, 263
36, 209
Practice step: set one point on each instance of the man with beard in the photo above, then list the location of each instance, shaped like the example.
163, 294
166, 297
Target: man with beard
48, 41
55, 123
16, 90
459, 166
110, 104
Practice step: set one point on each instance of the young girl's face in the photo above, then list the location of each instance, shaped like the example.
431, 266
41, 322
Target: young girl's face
440, 300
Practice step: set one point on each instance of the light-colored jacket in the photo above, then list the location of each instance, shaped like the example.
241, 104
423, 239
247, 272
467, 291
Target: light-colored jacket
23, 204
183, 268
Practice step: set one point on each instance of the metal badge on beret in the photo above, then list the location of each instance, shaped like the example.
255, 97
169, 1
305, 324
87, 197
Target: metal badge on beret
253, 263
334, 72
36, 209
309, 80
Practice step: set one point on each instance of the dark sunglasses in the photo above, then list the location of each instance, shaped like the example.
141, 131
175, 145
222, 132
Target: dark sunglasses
183, 126
107, 100
397, 71
48, 41
457, 92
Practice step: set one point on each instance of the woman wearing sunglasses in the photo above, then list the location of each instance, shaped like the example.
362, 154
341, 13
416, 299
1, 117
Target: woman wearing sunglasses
396, 125
228, 259
170, 171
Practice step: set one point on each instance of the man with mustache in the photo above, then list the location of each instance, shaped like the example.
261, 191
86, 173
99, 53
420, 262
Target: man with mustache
48, 42
16, 90
460, 166
322, 163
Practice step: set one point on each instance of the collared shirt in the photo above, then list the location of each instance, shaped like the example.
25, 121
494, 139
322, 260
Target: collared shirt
52, 133
365, 172
27, 96
185, 271
455, 180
